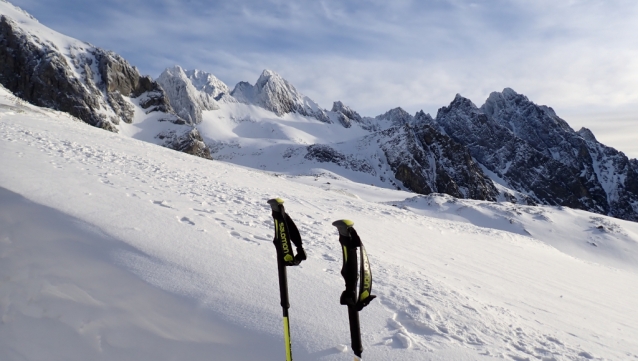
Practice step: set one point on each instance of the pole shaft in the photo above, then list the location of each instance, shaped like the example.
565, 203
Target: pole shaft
355, 331
285, 305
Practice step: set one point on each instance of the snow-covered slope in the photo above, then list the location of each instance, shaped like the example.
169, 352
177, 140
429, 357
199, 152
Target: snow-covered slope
116, 249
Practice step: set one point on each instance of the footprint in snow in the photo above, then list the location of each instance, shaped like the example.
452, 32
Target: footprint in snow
251, 241
404, 340
186, 220
328, 257
162, 204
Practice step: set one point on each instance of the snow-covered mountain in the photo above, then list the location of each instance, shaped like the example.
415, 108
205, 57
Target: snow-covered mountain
530, 149
191, 92
508, 149
117, 249
274, 93
97, 86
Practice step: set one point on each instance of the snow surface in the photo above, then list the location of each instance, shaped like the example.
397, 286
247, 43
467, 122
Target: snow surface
116, 249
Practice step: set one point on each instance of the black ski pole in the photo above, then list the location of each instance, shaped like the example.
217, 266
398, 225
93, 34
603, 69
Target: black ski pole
285, 232
350, 241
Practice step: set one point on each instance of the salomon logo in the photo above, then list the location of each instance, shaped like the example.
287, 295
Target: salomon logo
367, 276
282, 235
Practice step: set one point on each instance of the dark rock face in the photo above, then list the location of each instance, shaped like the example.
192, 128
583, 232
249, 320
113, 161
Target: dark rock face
37, 71
397, 116
190, 142
427, 161
346, 114
538, 154
89, 83
326, 154
617, 176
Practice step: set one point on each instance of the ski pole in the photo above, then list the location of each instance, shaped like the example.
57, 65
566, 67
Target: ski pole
285, 232
350, 241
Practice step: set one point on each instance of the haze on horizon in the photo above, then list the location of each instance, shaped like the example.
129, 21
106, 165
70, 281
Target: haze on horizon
576, 56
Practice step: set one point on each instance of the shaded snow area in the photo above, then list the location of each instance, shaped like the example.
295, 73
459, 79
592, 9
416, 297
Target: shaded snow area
116, 249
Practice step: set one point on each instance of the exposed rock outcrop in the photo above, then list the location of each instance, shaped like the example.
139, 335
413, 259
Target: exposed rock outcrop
427, 161
182, 140
95, 85
87, 82
396, 116
345, 114
326, 154
187, 100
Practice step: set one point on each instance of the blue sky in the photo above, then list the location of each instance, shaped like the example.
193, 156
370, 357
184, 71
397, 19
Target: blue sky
578, 56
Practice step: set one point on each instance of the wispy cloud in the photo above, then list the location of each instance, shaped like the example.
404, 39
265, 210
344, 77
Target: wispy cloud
375, 55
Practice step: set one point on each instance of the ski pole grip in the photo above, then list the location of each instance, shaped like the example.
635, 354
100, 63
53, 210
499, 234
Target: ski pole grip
275, 204
343, 225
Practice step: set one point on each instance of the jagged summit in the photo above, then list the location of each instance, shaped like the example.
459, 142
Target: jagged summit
345, 114
586, 134
207, 83
276, 94
536, 153
187, 100
422, 117
269, 76
396, 116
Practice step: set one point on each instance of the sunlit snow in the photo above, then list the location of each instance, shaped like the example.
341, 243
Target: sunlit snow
116, 249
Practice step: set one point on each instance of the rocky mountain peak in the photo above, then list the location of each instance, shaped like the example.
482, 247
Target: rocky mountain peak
338, 106
187, 101
510, 94
462, 102
421, 118
346, 114
517, 112
207, 83
268, 75
397, 116
276, 94
587, 134
175, 71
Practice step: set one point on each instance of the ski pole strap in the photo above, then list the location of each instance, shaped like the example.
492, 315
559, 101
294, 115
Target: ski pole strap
286, 234
365, 288
350, 241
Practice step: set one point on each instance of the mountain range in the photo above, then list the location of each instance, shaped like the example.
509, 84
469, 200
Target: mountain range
509, 149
